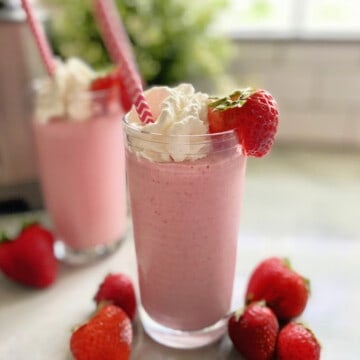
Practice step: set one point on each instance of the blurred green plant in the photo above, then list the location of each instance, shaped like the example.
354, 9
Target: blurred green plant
171, 39
260, 9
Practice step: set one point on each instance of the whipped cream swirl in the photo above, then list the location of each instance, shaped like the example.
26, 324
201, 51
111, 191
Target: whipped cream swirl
178, 111
64, 94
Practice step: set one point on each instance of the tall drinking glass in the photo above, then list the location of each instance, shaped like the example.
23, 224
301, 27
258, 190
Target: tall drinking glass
185, 219
82, 175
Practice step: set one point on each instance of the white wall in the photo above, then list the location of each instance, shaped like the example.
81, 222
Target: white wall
316, 83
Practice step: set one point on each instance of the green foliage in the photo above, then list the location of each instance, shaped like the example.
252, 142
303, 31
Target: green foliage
261, 9
171, 39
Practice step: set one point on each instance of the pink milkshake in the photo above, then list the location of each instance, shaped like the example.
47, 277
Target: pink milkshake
82, 172
185, 193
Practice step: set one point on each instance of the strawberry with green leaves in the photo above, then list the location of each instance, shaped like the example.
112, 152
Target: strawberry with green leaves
29, 258
284, 290
253, 114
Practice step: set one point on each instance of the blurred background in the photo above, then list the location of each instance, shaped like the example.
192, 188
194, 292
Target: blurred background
306, 53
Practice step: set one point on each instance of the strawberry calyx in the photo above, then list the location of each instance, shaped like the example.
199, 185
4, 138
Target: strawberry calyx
239, 312
307, 283
4, 237
237, 99
287, 262
28, 223
102, 304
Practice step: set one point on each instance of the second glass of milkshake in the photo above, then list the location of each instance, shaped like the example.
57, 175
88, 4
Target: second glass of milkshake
79, 143
185, 188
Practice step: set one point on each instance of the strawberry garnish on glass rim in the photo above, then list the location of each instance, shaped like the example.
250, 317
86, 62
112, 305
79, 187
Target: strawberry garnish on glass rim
253, 114
103, 82
113, 80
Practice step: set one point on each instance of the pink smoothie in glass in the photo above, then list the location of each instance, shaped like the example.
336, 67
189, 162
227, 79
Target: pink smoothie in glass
186, 219
83, 179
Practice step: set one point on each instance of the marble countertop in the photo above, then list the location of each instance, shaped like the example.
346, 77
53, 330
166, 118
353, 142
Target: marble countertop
311, 219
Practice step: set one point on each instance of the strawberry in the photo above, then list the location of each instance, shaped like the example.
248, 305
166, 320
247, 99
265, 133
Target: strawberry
106, 336
252, 113
125, 98
113, 80
296, 342
254, 332
29, 258
103, 82
118, 290
36, 230
284, 291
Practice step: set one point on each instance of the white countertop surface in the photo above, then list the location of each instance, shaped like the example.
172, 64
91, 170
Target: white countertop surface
36, 325
305, 218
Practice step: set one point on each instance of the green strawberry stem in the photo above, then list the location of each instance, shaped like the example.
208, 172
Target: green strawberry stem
287, 263
3, 237
237, 99
27, 223
238, 313
307, 284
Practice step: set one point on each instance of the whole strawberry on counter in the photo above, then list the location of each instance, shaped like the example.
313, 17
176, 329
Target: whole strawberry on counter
252, 113
118, 290
284, 290
297, 342
29, 258
106, 336
253, 332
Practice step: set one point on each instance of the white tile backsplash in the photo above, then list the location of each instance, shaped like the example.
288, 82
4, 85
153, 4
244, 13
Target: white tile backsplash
317, 86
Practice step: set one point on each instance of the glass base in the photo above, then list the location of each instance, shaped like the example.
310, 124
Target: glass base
71, 256
180, 339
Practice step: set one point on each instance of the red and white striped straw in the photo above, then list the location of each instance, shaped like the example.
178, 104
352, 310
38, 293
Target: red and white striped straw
40, 38
119, 29
118, 45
